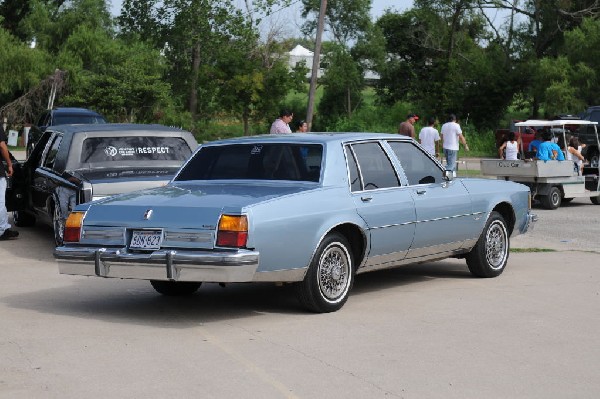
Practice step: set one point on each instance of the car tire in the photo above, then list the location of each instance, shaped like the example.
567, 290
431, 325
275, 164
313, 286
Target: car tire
329, 277
59, 226
595, 200
175, 288
23, 219
489, 256
553, 199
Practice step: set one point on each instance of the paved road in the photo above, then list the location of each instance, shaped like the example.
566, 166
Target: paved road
427, 331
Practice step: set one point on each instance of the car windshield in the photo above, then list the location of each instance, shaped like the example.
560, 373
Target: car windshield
134, 148
264, 161
78, 119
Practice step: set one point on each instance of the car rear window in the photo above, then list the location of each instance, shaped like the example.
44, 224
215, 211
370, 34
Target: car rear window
264, 161
78, 119
134, 148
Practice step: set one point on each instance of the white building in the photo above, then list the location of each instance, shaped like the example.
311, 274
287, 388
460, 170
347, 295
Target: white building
300, 54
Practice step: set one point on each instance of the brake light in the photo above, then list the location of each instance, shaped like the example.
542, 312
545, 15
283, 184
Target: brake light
233, 231
73, 227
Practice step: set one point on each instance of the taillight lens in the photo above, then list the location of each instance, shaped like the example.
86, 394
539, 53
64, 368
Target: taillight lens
233, 231
73, 227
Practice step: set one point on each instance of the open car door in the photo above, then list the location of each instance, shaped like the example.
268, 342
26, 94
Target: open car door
16, 190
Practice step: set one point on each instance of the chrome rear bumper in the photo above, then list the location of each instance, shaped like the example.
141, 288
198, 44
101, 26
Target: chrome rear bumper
173, 265
531, 219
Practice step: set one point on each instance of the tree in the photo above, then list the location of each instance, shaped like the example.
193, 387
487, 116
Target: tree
23, 65
343, 83
194, 35
582, 48
347, 20
123, 80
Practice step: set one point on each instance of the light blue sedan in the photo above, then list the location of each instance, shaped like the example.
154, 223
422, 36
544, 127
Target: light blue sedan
309, 209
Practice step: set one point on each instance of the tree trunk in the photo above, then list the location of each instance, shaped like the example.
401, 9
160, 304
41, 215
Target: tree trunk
349, 102
193, 104
245, 119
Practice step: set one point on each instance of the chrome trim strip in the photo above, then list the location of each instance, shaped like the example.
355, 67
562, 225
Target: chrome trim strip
408, 261
475, 214
281, 275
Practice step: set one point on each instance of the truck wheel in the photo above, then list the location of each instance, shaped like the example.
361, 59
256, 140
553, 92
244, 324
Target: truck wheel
23, 219
553, 199
330, 276
489, 256
175, 288
595, 200
593, 158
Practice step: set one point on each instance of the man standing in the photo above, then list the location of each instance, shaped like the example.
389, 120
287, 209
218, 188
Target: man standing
451, 135
5, 232
282, 124
407, 128
430, 138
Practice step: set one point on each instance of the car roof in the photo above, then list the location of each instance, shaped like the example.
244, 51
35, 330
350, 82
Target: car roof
317, 137
111, 127
73, 110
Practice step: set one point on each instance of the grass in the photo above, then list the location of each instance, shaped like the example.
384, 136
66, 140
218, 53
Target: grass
526, 250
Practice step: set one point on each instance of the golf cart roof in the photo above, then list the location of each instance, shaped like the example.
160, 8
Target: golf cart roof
557, 122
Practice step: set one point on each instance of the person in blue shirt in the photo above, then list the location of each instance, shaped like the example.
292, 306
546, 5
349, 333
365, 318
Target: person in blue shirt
548, 150
535, 143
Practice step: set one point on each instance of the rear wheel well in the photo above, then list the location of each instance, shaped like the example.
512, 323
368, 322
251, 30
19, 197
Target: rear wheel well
356, 239
508, 213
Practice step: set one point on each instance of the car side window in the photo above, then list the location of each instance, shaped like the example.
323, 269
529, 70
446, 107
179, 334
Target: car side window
417, 166
353, 173
52, 151
375, 167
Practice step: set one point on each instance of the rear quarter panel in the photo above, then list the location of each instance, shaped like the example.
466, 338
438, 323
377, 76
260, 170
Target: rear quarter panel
287, 230
486, 194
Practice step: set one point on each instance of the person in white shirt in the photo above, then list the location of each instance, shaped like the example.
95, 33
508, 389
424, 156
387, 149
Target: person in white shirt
430, 138
451, 135
509, 150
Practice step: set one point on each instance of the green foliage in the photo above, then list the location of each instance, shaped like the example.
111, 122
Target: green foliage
21, 66
343, 84
347, 20
122, 80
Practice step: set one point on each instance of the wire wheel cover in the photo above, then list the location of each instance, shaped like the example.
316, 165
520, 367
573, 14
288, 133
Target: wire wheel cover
496, 245
334, 272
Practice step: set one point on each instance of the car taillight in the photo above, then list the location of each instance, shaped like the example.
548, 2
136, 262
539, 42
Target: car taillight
73, 227
233, 231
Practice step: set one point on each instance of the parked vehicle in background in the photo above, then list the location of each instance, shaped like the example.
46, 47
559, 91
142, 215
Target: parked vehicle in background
73, 164
307, 209
523, 136
61, 116
586, 136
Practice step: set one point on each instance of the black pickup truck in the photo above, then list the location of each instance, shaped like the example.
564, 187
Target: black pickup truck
588, 136
73, 164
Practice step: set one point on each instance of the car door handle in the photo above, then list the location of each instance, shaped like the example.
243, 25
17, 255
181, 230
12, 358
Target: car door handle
421, 192
366, 199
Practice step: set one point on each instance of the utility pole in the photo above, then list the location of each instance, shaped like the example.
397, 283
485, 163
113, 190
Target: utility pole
315, 66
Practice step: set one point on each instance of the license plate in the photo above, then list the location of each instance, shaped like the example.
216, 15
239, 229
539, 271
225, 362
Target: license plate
146, 239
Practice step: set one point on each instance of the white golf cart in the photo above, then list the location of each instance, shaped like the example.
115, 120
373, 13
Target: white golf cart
551, 182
